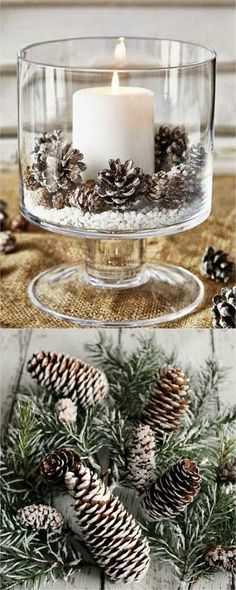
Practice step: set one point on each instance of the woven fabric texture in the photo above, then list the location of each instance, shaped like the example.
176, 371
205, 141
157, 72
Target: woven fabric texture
38, 250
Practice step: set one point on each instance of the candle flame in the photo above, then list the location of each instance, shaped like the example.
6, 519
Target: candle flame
120, 51
115, 84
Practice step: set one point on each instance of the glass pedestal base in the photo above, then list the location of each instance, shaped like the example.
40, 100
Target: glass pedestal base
160, 293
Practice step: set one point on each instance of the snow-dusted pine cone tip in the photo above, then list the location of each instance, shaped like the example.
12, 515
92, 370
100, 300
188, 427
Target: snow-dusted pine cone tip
66, 411
55, 465
141, 458
69, 378
40, 516
221, 557
173, 491
113, 536
167, 402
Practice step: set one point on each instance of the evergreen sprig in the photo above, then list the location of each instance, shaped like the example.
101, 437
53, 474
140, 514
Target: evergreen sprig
101, 435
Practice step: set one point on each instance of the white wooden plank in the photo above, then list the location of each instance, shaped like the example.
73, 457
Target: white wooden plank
14, 345
159, 21
191, 346
225, 349
212, 3
218, 582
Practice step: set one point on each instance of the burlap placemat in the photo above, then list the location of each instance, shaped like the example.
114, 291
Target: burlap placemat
38, 250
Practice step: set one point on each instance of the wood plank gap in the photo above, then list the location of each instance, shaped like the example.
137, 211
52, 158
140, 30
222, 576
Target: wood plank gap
102, 580
23, 358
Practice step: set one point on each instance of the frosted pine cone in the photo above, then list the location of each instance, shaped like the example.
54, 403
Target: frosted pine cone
172, 492
215, 264
224, 309
7, 242
3, 214
170, 147
167, 402
221, 557
40, 517
56, 464
67, 377
141, 458
196, 157
114, 538
227, 472
122, 184
173, 189
87, 198
66, 411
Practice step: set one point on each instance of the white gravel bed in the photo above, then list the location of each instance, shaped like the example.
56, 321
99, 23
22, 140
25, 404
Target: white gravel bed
108, 220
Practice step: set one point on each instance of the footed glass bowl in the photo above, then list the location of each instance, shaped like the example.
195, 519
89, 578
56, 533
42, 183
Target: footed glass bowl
115, 145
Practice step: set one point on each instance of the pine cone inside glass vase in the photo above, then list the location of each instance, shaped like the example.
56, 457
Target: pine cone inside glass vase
121, 185
221, 558
216, 266
167, 402
172, 492
224, 309
196, 157
174, 189
170, 146
40, 516
141, 458
67, 377
113, 536
87, 198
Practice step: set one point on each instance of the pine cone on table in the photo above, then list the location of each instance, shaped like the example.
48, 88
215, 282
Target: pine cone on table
224, 309
221, 558
113, 537
67, 377
215, 264
141, 458
87, 199
19, 223
172, 492
7, 242
66, 411
167, 402
170, 147
121, 185
3, 214
40, 517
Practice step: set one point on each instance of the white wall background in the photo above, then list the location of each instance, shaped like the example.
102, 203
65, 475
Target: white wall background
210, 22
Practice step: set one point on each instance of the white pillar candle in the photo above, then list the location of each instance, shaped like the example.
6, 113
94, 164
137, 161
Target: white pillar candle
114, 123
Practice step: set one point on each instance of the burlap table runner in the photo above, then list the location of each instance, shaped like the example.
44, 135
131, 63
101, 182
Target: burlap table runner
38, 250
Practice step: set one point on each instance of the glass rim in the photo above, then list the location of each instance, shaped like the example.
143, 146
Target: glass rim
211, 58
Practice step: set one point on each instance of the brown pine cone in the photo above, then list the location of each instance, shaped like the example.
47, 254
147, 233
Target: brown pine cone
68, 377
56, 464
122, 184
167, 402
113, 536
172, 492
170, 147
227, 472
87, 198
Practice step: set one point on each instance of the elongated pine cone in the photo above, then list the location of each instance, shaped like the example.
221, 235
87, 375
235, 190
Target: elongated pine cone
221, 557
114, 538
121, 184
40, 517
68, 377
167, 402
66, 411
141, 458
216, 266
172, 492
224, 309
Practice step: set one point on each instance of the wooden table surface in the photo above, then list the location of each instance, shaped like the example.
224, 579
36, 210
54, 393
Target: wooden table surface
193, 346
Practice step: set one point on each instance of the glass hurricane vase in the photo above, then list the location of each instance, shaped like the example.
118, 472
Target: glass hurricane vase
115, 145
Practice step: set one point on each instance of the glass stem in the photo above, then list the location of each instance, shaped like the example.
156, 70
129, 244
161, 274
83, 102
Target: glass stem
115, 262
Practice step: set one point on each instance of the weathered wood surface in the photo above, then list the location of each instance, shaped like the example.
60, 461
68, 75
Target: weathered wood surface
193, 346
